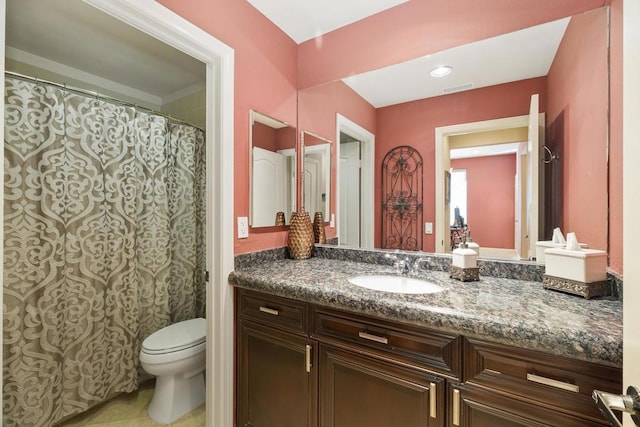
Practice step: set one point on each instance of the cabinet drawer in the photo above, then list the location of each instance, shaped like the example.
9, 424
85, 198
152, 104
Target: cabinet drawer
552, 381
434, 351
282, 313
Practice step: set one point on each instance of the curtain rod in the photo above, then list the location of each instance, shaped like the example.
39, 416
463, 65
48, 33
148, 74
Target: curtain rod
97, 95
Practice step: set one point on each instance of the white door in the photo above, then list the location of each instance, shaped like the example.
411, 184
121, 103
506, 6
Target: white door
521, 239
533, 162
349, 213
268, 187
312, 189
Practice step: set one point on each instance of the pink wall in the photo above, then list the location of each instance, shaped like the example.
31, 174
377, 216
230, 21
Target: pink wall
265, 80
581, 62
490, 199
317, 110
414, 123
417, 28
615, 139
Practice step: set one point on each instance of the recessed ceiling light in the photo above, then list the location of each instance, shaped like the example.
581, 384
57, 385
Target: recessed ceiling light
441, 71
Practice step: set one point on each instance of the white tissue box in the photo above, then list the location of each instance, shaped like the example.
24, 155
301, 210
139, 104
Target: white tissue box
548, 244
586, 266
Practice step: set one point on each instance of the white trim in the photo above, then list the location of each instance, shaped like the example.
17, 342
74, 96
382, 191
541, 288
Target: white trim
163, 24
631, 208
83, 76
368, 144
442, 156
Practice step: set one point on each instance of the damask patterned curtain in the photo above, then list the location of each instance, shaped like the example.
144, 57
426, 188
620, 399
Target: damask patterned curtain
103, 245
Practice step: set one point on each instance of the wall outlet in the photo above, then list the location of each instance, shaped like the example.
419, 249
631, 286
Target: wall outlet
243, 227
332, 221
428, 228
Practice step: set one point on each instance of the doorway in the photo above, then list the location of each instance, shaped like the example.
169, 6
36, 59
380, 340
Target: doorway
443, 163
164, 25
355, 214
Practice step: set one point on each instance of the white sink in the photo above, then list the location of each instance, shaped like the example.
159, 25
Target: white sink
396, 284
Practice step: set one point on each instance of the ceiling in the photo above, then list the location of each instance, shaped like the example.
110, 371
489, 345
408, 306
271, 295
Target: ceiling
75, 39
100, 50
303, 20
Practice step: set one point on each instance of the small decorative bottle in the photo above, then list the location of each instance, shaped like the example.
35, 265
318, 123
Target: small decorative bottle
318, 229
464, 264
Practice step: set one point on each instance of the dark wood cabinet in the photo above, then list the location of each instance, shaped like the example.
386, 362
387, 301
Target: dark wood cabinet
533, 387
358, 390
473, 406
305, 365
276, 373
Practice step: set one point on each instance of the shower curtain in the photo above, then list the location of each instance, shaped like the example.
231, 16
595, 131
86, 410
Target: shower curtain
104, 217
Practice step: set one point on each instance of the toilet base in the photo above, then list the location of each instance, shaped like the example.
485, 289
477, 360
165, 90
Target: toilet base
176, 396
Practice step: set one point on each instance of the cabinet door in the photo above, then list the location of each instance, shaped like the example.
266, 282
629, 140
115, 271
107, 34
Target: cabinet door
478, 407
277, 382
362, 391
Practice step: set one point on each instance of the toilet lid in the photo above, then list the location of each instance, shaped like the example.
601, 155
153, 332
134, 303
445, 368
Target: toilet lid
178, 336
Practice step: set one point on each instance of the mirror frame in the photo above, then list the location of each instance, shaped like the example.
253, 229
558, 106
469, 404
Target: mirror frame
267, 120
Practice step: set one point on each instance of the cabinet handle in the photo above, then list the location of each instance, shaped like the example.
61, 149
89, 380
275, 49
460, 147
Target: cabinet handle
553, 383
307, 360
456, 408
269, 310
432, 400
371, 337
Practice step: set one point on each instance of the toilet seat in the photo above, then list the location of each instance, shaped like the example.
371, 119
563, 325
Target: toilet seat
177, 337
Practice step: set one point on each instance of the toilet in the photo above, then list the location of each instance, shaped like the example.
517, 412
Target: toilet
175, 355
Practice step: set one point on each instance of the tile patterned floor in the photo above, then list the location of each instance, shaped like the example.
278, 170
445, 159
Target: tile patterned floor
130, 410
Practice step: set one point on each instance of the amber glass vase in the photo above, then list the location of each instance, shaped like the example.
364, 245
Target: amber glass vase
319, 234
300, 237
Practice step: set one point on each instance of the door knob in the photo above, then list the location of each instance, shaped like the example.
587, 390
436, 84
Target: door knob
608, 402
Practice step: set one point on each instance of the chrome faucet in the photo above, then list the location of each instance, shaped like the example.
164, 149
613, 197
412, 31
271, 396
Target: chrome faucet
417, 263
401, 265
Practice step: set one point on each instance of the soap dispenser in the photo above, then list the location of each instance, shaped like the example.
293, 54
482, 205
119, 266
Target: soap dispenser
464, 264
473, 245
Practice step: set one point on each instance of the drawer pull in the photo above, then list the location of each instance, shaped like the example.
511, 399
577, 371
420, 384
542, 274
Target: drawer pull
553, 383
371, 337
456, 408
269, 310
307, 358
432, 400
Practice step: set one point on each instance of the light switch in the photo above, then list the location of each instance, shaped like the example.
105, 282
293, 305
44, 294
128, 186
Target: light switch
428, 228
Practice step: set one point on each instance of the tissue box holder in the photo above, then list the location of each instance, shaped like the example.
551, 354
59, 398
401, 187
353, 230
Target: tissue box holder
469, 274
582, 273
543, 245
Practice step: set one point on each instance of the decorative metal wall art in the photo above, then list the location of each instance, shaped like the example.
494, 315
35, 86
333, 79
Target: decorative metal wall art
402, 184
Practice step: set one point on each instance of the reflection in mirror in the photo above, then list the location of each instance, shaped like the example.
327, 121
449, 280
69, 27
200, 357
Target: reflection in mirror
272, 169
573, 96
317, 174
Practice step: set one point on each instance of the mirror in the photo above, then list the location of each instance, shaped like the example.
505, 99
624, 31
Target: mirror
573, 98
317, 174
272, 160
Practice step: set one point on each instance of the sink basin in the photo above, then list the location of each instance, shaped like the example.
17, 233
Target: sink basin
396, 284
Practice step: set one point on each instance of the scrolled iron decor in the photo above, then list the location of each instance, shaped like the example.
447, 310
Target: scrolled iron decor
402, 182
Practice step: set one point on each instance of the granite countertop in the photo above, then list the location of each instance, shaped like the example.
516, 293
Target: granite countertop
507, 311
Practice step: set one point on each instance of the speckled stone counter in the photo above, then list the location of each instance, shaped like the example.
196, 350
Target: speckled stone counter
507, 311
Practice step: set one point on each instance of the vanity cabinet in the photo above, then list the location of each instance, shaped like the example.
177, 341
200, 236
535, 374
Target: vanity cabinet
506, 385
276, 381
377, 373
300, 364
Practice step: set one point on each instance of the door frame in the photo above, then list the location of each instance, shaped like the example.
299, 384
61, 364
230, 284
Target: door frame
163, 24
442, 158
367, 144
631, 208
